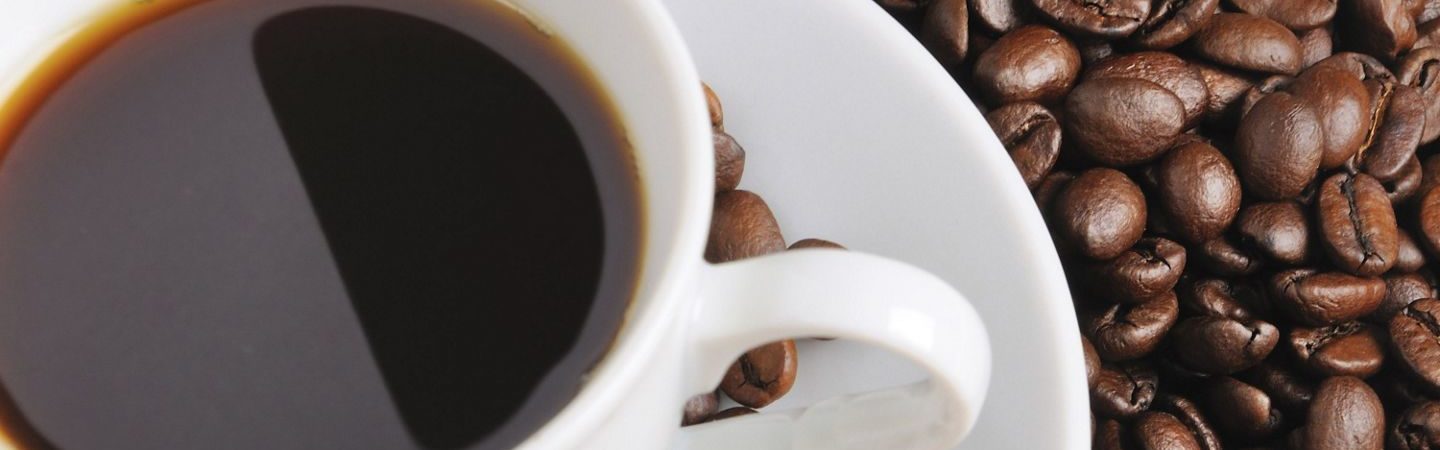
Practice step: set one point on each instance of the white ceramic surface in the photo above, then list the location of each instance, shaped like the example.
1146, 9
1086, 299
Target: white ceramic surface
690, 319
855, 134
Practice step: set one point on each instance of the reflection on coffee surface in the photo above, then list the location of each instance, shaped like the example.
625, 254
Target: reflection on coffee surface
254, 225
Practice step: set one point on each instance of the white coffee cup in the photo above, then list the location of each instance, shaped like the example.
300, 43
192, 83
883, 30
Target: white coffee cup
689, 319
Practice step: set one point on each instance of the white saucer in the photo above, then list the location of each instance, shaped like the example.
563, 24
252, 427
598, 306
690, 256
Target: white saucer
856, 135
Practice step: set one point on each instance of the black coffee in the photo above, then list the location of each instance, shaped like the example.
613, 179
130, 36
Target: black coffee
256, 225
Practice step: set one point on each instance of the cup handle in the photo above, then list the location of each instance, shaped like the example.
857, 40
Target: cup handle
848, 295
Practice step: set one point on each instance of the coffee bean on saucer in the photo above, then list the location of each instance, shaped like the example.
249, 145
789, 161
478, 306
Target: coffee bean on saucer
699, 408
761, 375
1031, 64
729, 162
742, 227
1346, 414
1031, 134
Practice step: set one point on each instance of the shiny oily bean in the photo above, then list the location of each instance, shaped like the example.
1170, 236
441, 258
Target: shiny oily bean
1031, 64
1418, 428
945, 31
1124, 390
1377, 27
1122, 122
1215, 297
1415, 336
1241, 411
1357, 224
1287, 389
1404, 187
1294, 14
699, 408
1172, 22
1199, 192
1421, 69
742, 227
1000, 16
1107, 19
1398, 389
1342, 103
1429, 211
1101, 213
1410, 258
1325, 298
1400, 291
1031, 135
1225, 258
1149, 269
761, 375
1278, 147
1279, 230
1189, 414
1162, 431
1225, 88
1164, 69
1352, 348
1265, 87
729, 161
1316, 45
1398, 126
1346, 414
1364, 66
1123, 332
1222, 346
1249, 42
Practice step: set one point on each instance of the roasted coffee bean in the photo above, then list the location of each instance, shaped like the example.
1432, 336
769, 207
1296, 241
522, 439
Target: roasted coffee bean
717, 110
1214, 297
1421, 69
1222, 346
1429, 209
1124, 390
1398, 389
1316, 45
1382, 28
1415, 334
1031, 64
1241, 411
1123, 332
1400, 291
1404, 187
761, 375
1101, 213
1164, 69
1032, 136
1410, 258
729, 162
1092, 362
1108, 19
1111, 435
1346, 414
1189, 414
1287, 390
1364, 66
1199, 192
1147, 270
1278, 147
1357, 224
1122, 121
1093, 51
1222, 257
1342, 103
1348, 349
1172, 22
1268, 85
1050, 188
1294, 14
1162, 431
1429, 173
742, 227
1225, 87
732, 412
945, 31
1249, 42
1325, 298
1279, 230
815, 243
1399, 122
699, 409
1418, 428
1000, 16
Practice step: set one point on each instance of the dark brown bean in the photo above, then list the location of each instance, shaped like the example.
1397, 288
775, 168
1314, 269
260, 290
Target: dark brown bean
1364, 66
1398, 116
1346, 414
1031, 135
1268, 85
1357, 224
1288, 390
815, 243
1101, 213
1124, 390
1429, 210
1105, 19
1147, 270
1162, 431
1279, 230
1382, 28
729, 162
1325, 298
1111, 435
1123, 332
1225, 87
1222, 346
945, 31
1092, 362
1342, 103
761, 375
1199, 192
1123, 121
1214, 297
699, 409
1222, 257
1400, 291
1240, 410
742, 227
1278, 147
1348, 349
1294, 14
1189, 414
1164, 69
1031, 64
1418, 428
1172, 22
1407, 184
1421, 69
1415, 335
1001, 16
1410, 258
1316, 45
1249, 42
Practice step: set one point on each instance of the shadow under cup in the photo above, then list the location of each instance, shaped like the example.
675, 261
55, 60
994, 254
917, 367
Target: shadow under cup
252, 225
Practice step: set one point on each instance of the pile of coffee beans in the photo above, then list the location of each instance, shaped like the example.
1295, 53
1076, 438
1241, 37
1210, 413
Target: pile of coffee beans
742, 226
1245, 195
